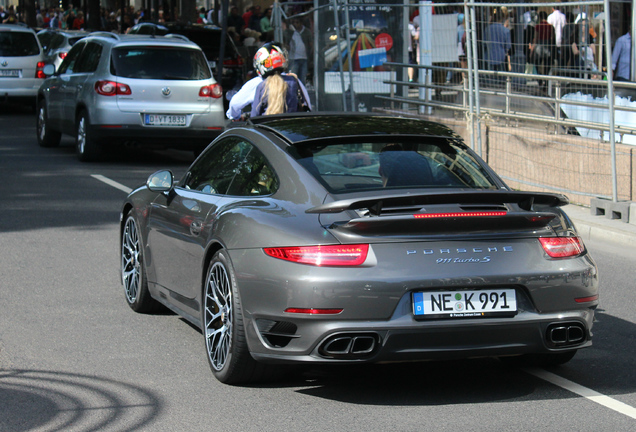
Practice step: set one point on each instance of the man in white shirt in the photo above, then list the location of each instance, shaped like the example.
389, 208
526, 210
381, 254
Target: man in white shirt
557, 19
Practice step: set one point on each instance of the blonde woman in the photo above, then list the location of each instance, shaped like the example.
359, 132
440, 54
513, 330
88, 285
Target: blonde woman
279, 92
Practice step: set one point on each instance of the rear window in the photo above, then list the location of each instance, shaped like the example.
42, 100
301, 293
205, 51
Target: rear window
399, 163
163, 63
18, 44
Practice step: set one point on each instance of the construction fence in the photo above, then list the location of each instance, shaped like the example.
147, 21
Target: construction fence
526, 86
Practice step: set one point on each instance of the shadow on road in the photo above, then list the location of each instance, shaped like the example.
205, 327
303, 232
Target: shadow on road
58, 401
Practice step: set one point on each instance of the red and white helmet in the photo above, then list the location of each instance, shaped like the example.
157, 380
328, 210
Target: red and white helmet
270, 58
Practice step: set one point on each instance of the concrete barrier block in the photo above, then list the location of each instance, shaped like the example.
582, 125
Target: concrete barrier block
632, 213
610, 209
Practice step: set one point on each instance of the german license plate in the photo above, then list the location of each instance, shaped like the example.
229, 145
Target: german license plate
10, 73
164, 120
457, 304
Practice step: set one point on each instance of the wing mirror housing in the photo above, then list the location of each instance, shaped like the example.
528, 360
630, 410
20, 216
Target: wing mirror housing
161, 181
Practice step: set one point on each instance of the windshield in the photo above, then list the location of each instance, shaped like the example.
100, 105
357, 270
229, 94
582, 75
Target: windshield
400, 163
159, 63
18, 44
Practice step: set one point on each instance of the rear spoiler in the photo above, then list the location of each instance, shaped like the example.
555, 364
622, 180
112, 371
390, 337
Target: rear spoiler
525, 200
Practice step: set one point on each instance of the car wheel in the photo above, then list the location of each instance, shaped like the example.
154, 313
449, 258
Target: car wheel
86, 147
224, 332
46, 136
133, 270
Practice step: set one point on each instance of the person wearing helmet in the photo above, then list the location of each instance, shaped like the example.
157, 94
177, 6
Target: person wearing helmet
269, 59
277, 93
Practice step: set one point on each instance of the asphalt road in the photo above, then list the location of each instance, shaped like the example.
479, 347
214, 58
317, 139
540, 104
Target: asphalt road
74, 357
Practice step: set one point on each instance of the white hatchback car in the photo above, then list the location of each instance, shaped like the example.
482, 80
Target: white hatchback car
21, 64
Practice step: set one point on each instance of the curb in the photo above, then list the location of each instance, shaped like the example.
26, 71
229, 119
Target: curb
601, 228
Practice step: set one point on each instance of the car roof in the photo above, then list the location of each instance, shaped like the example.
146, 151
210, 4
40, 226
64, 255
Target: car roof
142, 39
318, 126
16, 28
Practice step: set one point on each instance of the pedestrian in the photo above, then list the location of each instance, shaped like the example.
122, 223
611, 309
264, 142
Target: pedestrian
255, 19
543, 44
622, 58
267, 31
245, 96
498, 43
277, 93
299, 40
235, 20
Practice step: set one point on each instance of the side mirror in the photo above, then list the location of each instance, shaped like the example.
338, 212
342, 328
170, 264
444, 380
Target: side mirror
161, 181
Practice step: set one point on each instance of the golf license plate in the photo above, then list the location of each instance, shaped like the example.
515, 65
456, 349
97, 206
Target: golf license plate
10, 73
164, 120
457, 304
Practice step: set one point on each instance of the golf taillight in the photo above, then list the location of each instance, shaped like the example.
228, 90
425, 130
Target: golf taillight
39, 72
111, 88
562, 247
62, 55
213, 90
330, 255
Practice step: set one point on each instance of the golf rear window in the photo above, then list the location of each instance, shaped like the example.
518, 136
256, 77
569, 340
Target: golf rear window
163, 63
395, 164
18, 44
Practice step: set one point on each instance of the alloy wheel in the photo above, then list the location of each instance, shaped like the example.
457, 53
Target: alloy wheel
218, 316
131, 261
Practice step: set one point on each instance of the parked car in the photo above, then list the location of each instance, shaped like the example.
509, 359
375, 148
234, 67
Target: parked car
155, 91
208, 37
21, 64
56, 43
347, 239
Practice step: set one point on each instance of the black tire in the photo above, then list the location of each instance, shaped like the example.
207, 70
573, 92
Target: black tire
46, 136
86, 147
133, 270
223, 328
540, 360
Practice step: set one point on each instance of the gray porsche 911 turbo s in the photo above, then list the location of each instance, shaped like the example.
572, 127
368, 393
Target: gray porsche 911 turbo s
340, 239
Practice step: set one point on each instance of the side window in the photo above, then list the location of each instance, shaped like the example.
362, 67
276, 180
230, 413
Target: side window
215, 169
254, 177
68, 65
233, 167
89, 59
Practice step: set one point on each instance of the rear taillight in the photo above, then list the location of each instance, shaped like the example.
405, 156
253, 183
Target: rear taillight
562, 247
331, 255
213, 90
62, 55
39, 72
111, 88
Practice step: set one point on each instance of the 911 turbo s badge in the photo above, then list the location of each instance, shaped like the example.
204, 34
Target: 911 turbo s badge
466, 255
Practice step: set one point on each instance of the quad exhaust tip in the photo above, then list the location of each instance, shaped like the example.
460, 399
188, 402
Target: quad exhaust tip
565, 334
350, 346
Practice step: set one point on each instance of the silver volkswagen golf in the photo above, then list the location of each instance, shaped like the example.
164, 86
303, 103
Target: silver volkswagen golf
113, 89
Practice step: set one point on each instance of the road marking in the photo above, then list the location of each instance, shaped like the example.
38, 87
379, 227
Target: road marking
112, 183
587, 393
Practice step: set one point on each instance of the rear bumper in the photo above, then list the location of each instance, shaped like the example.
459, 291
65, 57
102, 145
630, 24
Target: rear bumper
404, 340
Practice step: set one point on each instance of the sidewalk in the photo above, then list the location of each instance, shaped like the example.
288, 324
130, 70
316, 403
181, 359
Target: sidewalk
600, 228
